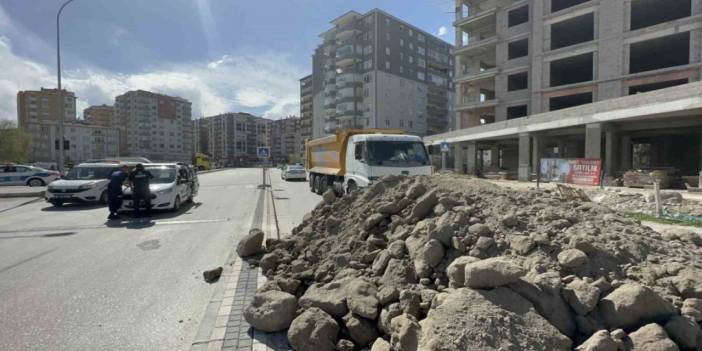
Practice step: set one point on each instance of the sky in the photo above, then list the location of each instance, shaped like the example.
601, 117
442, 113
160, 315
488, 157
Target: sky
222, 55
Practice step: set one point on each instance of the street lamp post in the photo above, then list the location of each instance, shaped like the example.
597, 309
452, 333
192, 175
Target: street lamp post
59, 93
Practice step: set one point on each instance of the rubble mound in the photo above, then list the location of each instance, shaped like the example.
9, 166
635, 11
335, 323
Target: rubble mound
448, 263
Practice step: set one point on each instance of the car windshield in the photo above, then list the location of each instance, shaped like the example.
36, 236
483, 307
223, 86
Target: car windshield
295, 168
162, 174
89, 173
397, 153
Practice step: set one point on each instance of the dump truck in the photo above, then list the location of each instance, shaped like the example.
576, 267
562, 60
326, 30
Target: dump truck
355, 158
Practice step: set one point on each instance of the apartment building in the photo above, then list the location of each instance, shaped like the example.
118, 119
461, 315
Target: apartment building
286, 145
235, 137
574, 79
82, 141
159, 127
34, 106
374, 70
306, 108
201, 136
101, 115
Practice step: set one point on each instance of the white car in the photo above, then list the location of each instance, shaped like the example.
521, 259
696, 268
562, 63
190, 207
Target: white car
26, 175
84, 183
173, 184
293, 172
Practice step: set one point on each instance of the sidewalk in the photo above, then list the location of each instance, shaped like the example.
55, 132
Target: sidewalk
21, 191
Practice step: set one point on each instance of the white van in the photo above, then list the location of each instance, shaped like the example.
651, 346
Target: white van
84, 183
173, 184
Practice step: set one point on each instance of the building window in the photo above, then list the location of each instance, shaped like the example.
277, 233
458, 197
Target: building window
410, 124
387, 21
421, 62
387, 51
571, 70
411, 59
420, 37
387, 123
573, 31
387, 36
367, 78
402, 42
411, 46
420, 75
646, 13
516, 111
518, 16
402, 56
664, 52
411, 32
368, 64
402, 123
518, 81
387, 64
420, 50
518, 48
402, 69
561, 102
366, 92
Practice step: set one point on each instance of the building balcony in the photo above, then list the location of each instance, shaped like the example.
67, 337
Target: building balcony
476, 75
344, 34
476, 20
472, 103
477, 46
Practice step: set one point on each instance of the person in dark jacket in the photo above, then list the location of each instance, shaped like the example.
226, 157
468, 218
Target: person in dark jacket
114, 191
140, 180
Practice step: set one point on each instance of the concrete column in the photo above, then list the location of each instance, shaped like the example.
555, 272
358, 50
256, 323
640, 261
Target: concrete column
494, 155
625, 163
611, 154
459, 156
536, 144
471, 151
524, 157
593, 140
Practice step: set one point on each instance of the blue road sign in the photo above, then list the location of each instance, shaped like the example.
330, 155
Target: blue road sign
445, 146
263, 152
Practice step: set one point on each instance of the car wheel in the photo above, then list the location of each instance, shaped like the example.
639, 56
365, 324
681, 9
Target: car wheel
57, 203
35, 182
176, 204
103, 198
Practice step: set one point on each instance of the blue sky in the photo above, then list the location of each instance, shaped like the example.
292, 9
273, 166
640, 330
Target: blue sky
223, 55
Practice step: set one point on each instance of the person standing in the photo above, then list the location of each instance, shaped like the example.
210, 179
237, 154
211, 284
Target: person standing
114, 191
140, 180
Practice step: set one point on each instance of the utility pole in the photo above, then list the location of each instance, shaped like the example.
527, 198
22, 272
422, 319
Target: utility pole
59, 93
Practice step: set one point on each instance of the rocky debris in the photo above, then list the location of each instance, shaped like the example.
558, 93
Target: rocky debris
212, 275
632, 305
491, 273
627, 201
251, 244
652, 337
329, 197
313, 330
600, 341
450, 263
271, 311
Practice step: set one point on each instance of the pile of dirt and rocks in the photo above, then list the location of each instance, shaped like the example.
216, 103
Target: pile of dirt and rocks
446, 263
635, 202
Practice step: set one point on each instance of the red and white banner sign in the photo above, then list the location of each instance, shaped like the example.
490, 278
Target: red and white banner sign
581, 171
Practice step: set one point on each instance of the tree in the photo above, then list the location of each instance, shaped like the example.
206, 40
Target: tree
14, 142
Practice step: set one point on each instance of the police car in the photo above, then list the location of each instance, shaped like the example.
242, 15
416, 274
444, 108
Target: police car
173, 184
26, 175
85, 183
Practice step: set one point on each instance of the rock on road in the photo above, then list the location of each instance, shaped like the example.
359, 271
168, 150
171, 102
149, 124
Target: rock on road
70, 282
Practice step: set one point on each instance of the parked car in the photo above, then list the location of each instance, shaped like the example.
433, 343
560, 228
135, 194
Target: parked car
173, 184
84, 183
293, 172
26, 175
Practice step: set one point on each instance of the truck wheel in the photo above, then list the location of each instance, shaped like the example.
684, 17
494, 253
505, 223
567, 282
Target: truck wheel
351, 187
316, 185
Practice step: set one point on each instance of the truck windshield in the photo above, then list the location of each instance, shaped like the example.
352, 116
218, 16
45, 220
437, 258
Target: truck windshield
397, 153
89, 173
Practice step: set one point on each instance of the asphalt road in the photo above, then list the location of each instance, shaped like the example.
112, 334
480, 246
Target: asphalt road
70, 281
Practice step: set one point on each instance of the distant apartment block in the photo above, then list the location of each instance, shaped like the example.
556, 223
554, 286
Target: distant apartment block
534, 79
201, 136
306, 109
235, 137
373, 70
101, 115
34, 106
286, 146
82, 141
159, 127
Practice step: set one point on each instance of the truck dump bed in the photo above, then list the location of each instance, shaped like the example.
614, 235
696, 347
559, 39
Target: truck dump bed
327, 155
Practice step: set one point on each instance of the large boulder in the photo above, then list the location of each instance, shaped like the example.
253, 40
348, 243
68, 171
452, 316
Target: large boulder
361, 330
547, 300
692, 308
361, 298
399, 273
652, 337
581, 296
632, 305
313, 330
684, 331
600, 341
688, 283
405, 333
251, 244
496, 319
381, 345
271, 311
424, 205
456, 270
492, 272
572, 258
330, 298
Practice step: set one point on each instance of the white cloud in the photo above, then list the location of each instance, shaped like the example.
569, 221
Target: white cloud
442, 31
266, 82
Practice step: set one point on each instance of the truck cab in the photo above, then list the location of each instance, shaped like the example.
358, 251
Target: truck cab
353, 159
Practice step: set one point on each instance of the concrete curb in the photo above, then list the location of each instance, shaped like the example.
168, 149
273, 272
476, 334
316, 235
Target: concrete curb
39, 193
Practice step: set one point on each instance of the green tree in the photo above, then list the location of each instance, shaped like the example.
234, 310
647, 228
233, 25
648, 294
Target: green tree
14, 142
